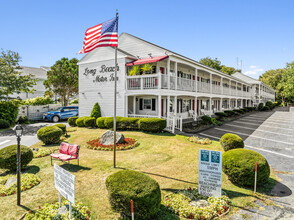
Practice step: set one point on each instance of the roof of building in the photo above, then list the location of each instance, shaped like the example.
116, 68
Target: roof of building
246, 78
38, 72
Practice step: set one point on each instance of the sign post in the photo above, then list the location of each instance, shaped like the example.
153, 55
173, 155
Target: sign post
210, 173
65, 184
255, 178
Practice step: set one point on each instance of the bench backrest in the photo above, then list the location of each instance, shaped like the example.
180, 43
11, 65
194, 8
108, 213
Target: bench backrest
69, 149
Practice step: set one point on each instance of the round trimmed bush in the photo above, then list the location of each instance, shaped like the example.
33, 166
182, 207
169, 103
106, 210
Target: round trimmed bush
239, 165
220, 115
4, 123
231, 141
260, 106
266, 108
128, 185
90, 122
229, 112
152, 124
80, 121
62, 127
100, 122
8, 157
49, 134
72, 121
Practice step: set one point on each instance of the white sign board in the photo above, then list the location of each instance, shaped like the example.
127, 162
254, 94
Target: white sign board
64, 183
210, 173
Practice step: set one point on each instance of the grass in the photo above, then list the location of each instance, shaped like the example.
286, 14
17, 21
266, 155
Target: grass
169, 159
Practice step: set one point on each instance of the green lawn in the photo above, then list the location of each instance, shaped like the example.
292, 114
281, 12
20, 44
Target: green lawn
171, 160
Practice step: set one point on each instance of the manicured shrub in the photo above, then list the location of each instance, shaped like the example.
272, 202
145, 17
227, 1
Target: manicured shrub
206, 119
100, 122
62, 127
49, 134
239, 165
72, 121
108, 122
96, 112
40, 100
270, 104
127, 185
231, 141
4, 124
266, 108
9, 111
260, 106
229, 112
80, 121
23, 120
239, 111
152, 124
244, 109
8, 157
128, 123
220, 115
90, 122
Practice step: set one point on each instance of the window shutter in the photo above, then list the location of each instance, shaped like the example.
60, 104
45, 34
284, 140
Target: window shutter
153, 105
141, 104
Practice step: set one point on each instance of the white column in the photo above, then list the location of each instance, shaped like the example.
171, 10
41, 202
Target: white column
176, 76
159, 106
221, 105
230, 83
126, 105
210, 80
259, 95
236, 90
236, 103
242, 87
196, 82
134, 104
195, 106
221, 84
168, 73
210, 107
229, 104
168, 106
175, 105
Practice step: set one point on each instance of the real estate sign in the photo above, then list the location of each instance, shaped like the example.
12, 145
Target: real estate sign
210, 173
64, 183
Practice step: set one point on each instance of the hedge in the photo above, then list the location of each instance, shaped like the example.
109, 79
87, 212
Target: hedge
100, 122
221, 115
96, 112
9, 111
152, 124
239, 165
49, 134
270, 104
229, 112
127, 185
128, 123
72, 121
4, 124
62, 127
266, 108
8, 157
260, 106
231, 141
90, 122
80, 121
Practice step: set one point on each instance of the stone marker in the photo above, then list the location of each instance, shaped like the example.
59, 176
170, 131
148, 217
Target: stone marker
107, 138
10, 182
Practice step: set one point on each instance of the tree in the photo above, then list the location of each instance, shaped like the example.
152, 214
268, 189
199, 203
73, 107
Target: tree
228, 70
11, 80
213, 63
63, 79
96, 112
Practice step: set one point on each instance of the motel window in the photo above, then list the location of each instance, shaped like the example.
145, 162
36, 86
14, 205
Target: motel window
147, 104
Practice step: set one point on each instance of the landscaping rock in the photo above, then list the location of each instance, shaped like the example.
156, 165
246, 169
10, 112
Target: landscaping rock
10, 182
108, 136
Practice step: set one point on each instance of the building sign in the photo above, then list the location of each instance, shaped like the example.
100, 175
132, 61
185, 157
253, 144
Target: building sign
210, 173
64, 183
102, 69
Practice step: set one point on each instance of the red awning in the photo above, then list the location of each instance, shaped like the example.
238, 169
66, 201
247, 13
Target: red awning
147, 60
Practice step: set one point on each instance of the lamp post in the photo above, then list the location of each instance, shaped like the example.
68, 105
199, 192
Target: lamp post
18, 133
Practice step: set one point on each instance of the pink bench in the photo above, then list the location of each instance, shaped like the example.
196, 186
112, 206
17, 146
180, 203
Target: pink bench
67, 152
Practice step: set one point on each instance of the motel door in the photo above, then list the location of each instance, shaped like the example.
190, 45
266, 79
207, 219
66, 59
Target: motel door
162, 70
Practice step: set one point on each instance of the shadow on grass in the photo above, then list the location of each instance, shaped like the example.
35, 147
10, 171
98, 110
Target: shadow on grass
165, 134
31, 169
74, 167
159, 175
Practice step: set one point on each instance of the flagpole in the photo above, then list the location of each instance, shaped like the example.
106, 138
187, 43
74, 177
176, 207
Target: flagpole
114, 111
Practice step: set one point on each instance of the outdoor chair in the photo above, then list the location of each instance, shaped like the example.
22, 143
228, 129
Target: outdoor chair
67, 152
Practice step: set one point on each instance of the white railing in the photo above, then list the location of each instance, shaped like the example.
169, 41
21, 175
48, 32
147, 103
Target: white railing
216, 89
142, 82
234, 92
142, 116
239, 93
226, 91
164, 81
150, 82
173, 122
186, 84
172, 82
134, 83
203, 87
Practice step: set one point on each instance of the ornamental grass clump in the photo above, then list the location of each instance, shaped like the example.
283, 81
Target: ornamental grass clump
127, 185
239, 165
8, 157
198, 140
231, 141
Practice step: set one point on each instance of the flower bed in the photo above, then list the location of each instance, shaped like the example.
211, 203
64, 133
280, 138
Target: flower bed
41, 152
129, 144
198, 140
28, 181
185, 203
50, 211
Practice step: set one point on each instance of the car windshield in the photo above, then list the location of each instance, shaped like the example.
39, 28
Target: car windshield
59, 110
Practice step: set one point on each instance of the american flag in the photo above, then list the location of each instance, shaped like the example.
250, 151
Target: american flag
101, 35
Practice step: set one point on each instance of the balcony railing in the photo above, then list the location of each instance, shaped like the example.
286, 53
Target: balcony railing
203, 87
216, 89
186, 84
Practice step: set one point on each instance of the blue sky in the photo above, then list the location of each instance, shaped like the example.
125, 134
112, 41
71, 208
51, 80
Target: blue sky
259, 32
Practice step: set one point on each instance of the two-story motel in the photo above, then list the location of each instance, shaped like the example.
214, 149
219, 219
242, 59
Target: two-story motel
175, 85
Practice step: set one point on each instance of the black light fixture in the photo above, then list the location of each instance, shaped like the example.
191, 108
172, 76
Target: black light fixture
18, 132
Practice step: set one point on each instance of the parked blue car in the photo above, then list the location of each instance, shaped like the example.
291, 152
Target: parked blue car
61, 113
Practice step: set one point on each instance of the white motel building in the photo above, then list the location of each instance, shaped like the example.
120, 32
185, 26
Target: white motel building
174, 86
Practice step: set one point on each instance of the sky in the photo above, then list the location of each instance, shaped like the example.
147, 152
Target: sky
259, 32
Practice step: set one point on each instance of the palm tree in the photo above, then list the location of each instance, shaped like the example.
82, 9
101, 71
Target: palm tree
146, 68
134, 71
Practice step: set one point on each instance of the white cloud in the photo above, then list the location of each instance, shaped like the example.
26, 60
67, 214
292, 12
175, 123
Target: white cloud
252, 67
254, 71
